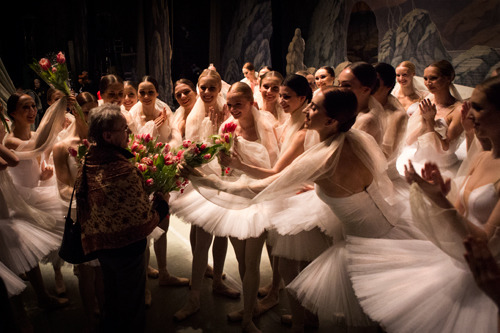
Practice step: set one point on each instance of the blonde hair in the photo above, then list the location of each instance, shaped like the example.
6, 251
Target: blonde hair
210, 73
409, 65
242, 88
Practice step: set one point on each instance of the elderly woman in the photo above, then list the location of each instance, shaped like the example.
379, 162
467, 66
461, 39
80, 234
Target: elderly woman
116, 217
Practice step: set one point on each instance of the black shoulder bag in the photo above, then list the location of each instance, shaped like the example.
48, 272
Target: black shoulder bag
71, 247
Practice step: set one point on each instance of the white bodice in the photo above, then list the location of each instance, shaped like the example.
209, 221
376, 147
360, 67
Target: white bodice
482, 200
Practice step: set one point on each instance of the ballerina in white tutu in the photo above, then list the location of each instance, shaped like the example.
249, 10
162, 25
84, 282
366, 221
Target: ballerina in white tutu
205, 118
185, 94
25, 238
435, 131
33, 176
424, 286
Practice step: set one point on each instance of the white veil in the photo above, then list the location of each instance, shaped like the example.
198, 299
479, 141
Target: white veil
198, 126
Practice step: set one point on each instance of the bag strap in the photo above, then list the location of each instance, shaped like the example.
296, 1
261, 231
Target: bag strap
84, 180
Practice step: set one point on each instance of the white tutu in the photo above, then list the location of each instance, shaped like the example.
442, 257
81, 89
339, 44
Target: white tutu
303, 246
12, 282
23, 245
412, 286
324, 288
193, 208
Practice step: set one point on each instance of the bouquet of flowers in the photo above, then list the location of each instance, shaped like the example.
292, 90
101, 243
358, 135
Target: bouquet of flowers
226, 141
195, 154
55, 74
157, 164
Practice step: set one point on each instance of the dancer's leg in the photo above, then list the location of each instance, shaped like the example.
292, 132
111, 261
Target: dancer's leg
219, 251
199, 265
160, 247
251, 280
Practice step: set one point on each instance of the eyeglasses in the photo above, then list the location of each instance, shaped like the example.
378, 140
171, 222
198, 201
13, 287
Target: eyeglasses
126, 129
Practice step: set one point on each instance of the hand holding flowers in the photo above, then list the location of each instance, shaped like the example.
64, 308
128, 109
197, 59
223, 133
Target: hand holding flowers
55, 74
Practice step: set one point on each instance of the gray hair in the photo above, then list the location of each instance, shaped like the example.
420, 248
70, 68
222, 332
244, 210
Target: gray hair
102, 119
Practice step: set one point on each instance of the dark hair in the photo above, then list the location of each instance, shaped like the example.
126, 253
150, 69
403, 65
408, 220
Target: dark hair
108, 80
249, 66
340, 105
302, 72
445, 68
387, 74
242, 88
85, 97
12, 103
271, 74
328, 69
50, 93
366, 74
491, 88
186, 82
265, 67
150, 79
133, 84
299, 84
102, 119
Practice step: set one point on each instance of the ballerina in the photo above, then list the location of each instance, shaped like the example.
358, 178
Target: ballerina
26, 231
207, 113
361, 79
324, 77
435, 131
154, 117
250, 76
394, 117
185, 94
430, 288
409, 92
129, 95
35, 169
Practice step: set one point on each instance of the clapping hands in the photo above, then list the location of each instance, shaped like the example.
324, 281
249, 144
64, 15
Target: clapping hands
427, 109
431, 181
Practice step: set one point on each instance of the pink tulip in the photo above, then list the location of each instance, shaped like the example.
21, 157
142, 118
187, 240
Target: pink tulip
147, 138
207, 156
44, 64
86, 143
203, 146
142, 167
186, 143
61, 58
72, 151
134, 146
54, 69
147, 161
166, 149
159, 145
150, 182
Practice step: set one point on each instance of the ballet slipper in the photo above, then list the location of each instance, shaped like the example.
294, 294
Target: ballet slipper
147, 298
209, 273
264, 291
190, 308
224, 290
153, 273
237, 316
52, 303
287, 320
59, 281
172, 281
270, 301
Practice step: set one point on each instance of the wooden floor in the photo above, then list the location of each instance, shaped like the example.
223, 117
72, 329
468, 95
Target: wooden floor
167, 300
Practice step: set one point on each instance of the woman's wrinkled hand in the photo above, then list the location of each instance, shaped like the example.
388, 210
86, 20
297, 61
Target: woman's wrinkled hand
431, 181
